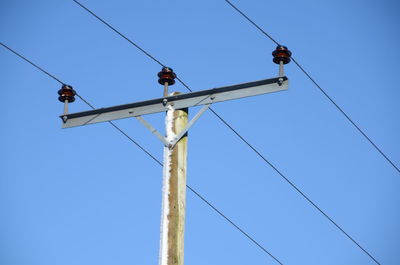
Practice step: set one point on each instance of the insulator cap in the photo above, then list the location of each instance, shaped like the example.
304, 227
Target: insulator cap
166, 75
281, 54
66, 93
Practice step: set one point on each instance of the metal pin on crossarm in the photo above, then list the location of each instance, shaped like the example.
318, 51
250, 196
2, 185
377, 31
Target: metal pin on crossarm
281, 56
66, 95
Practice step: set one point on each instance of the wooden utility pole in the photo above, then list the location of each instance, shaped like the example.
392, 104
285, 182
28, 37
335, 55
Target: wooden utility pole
174, 190
174, 179
175, 142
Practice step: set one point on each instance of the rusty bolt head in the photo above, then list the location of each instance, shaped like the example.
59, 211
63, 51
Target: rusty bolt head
281, 54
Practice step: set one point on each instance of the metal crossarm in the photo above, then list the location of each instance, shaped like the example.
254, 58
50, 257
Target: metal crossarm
177, 101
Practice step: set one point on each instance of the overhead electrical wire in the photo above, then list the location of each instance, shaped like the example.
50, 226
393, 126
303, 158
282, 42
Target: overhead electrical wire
152, 157
252, 22
80, 97
235, 131
346, 115
319, 87
30, 62
340, 110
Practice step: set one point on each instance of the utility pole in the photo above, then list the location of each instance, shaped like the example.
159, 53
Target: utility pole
174, 192
174, 181
175, 140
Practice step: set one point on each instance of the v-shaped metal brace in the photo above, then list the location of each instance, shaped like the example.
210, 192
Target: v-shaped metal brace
163, 139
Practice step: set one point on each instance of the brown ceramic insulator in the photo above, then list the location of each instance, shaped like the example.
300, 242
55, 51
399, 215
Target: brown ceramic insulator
281, 54
166, 75
66, 93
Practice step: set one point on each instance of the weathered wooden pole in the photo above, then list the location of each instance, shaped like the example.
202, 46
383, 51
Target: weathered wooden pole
174, 180
174, 191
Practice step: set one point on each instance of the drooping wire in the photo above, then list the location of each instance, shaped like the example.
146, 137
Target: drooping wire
298, 190
320, 88
30, 62
241, 137
252, 22
81, 98
340, 110
346, 115
237, 227
152, 157
119, 33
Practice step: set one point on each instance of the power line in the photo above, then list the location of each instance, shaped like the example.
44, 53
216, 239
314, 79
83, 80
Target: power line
232, 223
153, 158
30, 62
79, 96
298, 190
347, 116
340, 109
119, 33
320, 88
237, 133
252, 22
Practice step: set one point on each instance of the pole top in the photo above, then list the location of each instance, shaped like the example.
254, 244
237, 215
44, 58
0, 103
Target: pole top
166, 75
66, 93
281, 54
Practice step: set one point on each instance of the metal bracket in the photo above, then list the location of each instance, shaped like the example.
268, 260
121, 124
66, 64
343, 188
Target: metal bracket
172, 143
153, 131
190, 124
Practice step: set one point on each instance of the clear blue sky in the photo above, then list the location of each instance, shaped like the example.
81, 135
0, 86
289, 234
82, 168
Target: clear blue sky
89, 196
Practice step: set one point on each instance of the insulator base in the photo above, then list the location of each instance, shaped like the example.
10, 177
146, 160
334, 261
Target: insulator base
66, 93
166, 75
281, 54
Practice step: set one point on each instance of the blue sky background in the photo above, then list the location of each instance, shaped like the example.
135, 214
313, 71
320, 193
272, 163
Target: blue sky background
89, 196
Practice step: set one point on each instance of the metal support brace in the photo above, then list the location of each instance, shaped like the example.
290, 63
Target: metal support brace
153, 130
190, 124
172, 143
